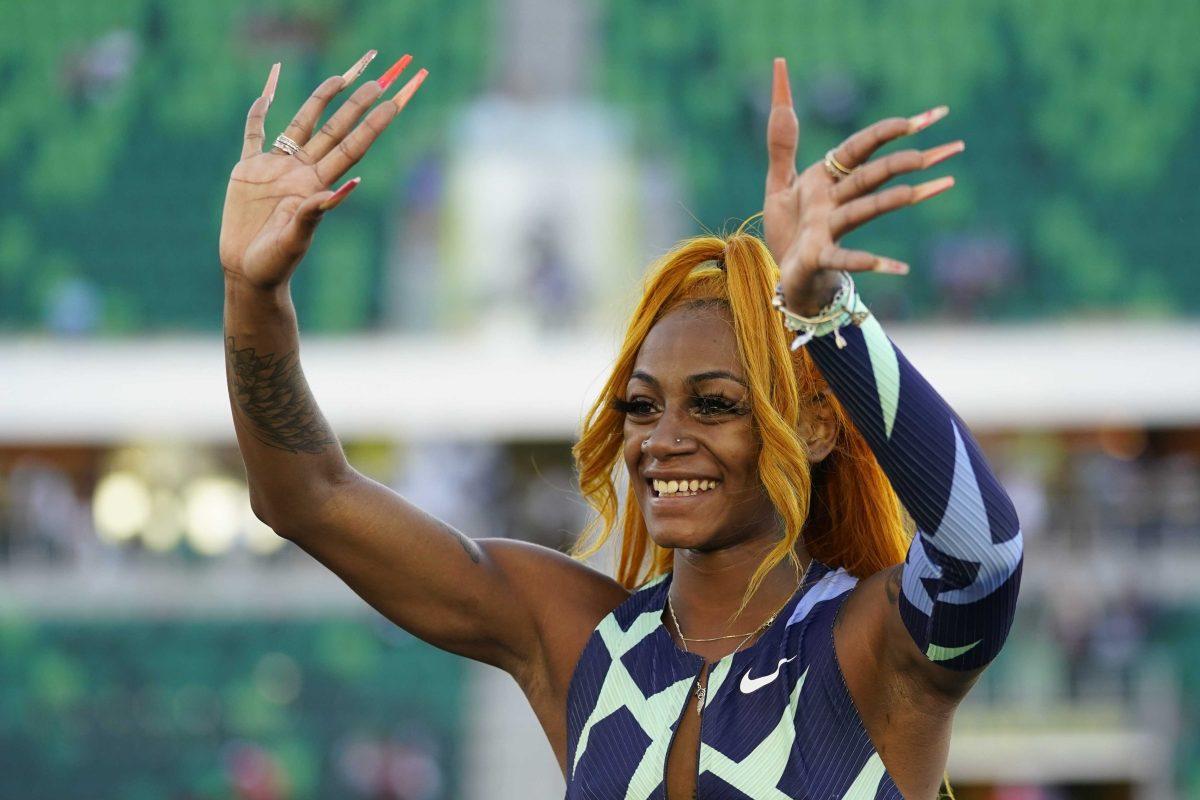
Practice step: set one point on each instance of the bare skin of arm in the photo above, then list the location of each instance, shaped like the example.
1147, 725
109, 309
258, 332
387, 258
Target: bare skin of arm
526, 609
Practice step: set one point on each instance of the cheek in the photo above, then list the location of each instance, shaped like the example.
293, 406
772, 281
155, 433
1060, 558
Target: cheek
632, 449
740, 449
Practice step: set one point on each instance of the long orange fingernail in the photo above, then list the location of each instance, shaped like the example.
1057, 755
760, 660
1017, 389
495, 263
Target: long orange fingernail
928, 189
924, 120
781, 90
936, 155
404, 95
386, 79
351, 75
337, 197
272, 82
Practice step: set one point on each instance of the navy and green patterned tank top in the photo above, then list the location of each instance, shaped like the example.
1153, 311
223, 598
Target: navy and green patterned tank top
778, 721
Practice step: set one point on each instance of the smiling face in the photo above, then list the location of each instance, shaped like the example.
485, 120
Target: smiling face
687, 384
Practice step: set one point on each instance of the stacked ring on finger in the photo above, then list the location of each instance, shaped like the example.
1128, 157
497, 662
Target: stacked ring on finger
834, 167
286, 145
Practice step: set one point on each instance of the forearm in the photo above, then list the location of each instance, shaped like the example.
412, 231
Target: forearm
290, 452
962, 573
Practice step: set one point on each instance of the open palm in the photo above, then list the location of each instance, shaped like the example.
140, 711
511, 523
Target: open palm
806, 214
275, 200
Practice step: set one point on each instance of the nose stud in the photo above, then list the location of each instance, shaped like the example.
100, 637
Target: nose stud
646, 442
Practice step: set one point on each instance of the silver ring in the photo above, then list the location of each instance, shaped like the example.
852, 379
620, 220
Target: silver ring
286, 145
834, 167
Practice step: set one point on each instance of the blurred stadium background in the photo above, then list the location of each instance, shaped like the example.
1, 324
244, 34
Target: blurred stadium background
458, 314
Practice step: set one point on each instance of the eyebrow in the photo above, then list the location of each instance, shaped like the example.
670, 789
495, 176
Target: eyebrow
700, 377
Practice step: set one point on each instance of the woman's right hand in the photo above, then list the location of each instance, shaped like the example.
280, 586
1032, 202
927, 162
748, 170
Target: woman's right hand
274, 200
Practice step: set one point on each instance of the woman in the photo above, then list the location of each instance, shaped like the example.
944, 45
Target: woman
775, 646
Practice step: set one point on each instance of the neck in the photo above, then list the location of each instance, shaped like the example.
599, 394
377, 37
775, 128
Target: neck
707, 587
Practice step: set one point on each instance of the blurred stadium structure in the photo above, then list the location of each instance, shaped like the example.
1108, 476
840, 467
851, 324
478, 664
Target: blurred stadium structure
156, 641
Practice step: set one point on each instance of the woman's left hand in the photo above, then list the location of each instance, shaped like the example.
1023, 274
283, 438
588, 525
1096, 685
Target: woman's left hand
806, 214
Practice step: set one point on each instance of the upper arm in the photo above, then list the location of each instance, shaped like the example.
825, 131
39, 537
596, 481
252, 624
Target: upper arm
881, 657
498, 601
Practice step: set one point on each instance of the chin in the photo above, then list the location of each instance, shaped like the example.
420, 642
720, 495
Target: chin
676, 536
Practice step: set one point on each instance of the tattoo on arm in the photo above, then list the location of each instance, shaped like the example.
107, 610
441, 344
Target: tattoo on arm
271, 392
470, 546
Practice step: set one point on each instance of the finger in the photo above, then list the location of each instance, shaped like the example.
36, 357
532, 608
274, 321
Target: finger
863, 144
846, 218
834, 257
300, 129
252, 142
297, 234
783, 132
337, 126
256, 118
349, 150
342, 121
341, 194
873, 174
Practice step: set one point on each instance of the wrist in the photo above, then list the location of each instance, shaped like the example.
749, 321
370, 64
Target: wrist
237, 287
844, 308
808, 299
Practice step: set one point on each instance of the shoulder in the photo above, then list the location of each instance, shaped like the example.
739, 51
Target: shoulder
567, 599
557, 587
826, 595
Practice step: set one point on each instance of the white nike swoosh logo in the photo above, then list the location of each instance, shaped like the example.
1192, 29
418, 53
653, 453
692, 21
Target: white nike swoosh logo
754, 684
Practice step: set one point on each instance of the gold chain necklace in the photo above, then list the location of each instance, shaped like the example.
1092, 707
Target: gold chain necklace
700, 690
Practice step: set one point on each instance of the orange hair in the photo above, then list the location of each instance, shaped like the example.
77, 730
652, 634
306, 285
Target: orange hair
856, 521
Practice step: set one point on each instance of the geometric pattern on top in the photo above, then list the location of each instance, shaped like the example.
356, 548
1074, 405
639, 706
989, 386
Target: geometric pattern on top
963, 570
794, 735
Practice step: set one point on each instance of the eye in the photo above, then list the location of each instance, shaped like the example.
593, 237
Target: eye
715, 404
708, 405
638, 406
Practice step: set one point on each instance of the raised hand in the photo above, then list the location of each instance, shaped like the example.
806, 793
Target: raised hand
806, 214
275, 199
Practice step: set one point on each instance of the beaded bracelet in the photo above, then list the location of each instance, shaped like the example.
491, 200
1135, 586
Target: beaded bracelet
845, 308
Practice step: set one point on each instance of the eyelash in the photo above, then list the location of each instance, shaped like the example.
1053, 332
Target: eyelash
714, 403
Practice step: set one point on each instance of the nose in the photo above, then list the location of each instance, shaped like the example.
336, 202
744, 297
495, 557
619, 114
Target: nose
664, 442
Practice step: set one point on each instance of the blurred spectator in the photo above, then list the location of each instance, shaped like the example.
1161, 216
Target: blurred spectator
98, 71
73, 307
968, 269
43, 519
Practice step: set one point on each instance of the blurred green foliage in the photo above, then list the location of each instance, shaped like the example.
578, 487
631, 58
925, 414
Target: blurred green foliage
1081, 119
120, 121
161, 708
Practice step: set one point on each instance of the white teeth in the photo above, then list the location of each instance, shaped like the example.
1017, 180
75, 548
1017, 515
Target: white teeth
677, 487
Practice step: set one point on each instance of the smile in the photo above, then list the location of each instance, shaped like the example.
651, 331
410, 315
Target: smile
682, 488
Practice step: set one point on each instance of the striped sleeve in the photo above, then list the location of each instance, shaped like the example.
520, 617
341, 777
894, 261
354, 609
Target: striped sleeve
963, 570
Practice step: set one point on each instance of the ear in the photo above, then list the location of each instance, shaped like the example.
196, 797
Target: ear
819, 430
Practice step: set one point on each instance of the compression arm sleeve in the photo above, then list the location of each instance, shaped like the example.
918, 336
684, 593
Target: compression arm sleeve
963, 569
